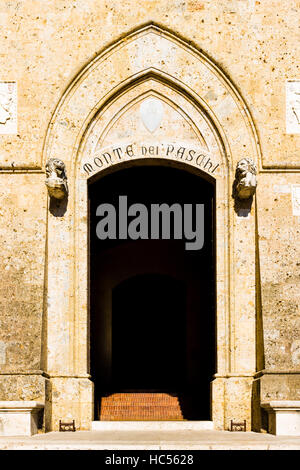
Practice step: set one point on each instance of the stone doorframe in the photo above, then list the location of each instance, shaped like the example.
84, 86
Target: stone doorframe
150, 53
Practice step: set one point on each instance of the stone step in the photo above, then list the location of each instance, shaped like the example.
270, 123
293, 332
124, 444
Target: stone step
139, 414
140, 406
139, 418
154, 426
140, 396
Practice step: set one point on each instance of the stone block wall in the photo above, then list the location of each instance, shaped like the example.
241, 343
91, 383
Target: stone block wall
44, 46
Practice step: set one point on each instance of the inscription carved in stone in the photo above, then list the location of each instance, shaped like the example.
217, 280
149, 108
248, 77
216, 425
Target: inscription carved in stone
56, 178
178, 151
244, 185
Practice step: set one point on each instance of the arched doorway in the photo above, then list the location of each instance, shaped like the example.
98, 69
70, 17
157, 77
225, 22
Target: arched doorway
98, 125
152, 304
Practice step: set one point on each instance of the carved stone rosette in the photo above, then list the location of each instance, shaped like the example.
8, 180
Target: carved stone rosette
56, 178
245, 182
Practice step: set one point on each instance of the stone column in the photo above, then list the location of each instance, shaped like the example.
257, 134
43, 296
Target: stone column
69, 392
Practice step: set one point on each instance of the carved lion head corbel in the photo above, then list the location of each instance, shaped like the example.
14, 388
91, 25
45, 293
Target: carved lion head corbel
245, 182
56, 178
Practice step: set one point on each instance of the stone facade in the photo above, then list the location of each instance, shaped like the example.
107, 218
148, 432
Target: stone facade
74, 77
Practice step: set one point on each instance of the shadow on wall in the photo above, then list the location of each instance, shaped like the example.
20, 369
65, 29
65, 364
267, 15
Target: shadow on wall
259, 416
58, 207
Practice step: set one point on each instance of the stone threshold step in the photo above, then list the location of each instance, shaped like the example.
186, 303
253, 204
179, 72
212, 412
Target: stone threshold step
142, 401
140, 416
138, 405
152, 425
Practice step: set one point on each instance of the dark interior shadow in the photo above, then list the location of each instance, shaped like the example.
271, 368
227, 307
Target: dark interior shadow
152, 302
191, 404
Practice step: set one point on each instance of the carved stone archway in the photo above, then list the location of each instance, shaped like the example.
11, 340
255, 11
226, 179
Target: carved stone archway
87, 132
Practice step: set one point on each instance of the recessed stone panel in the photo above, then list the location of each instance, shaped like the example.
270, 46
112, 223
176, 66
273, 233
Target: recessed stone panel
296, 199
293, 107
8, 108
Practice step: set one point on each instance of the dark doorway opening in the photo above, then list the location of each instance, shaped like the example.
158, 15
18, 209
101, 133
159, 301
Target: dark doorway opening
148, 333
152, 302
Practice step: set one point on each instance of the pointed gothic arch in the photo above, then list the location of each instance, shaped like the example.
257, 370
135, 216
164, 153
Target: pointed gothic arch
149, 60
